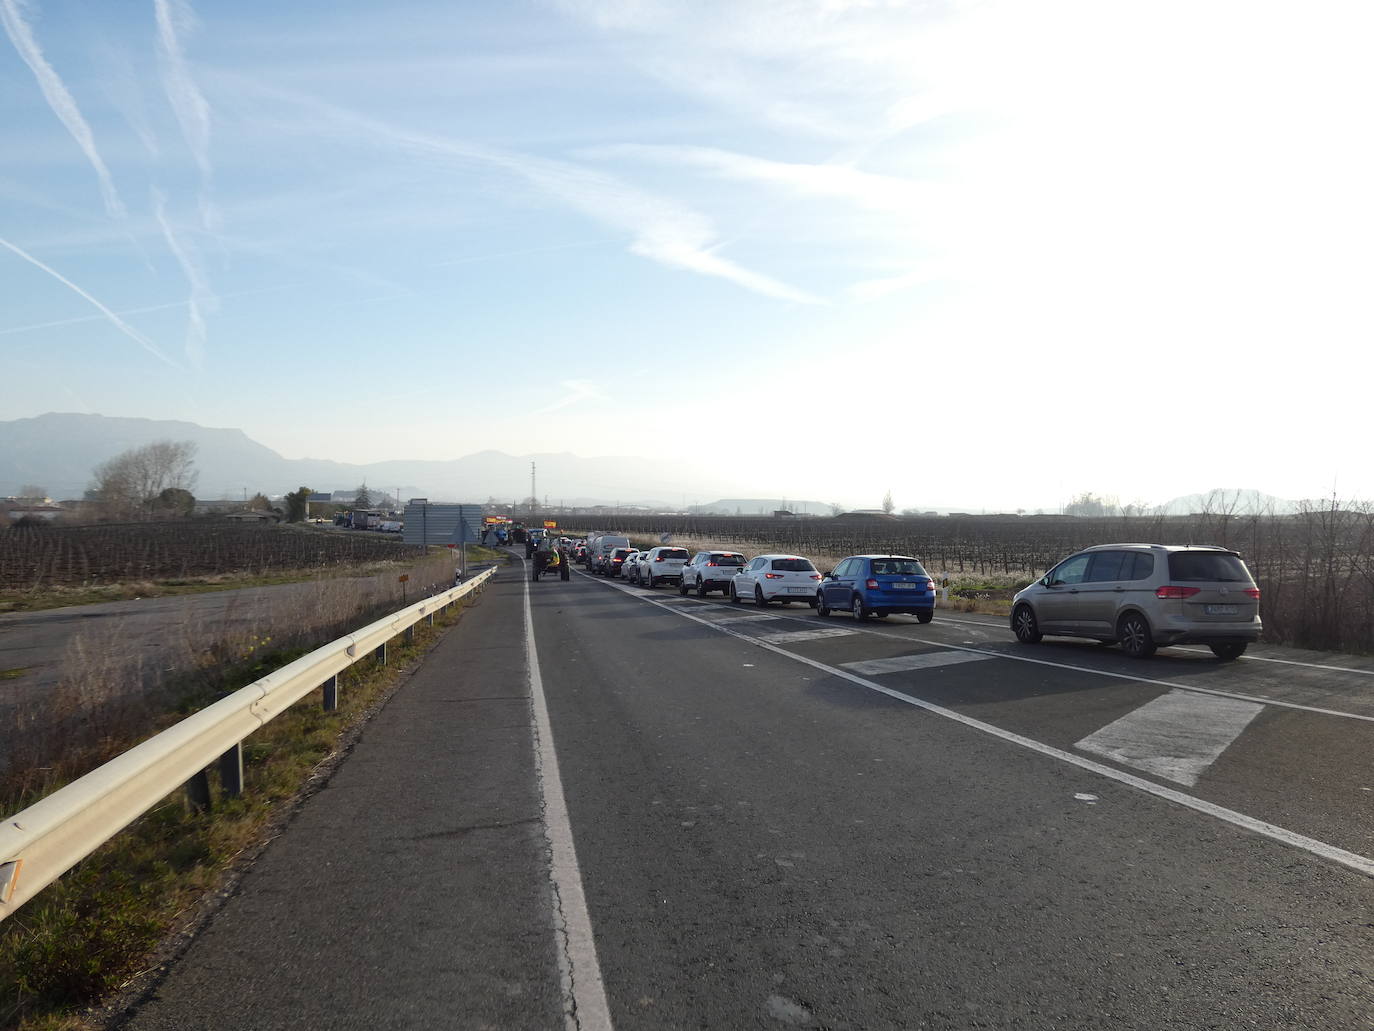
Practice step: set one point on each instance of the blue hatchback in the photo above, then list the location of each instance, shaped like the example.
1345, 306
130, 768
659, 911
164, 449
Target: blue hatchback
878, 585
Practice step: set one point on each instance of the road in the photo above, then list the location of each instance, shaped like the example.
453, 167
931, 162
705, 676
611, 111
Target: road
647, 811
38, 642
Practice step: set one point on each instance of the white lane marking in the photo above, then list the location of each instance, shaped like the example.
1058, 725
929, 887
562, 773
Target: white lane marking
1351, 860
792, 636
903, 663
1176, 736
579, 972
1172, 685
1201, 651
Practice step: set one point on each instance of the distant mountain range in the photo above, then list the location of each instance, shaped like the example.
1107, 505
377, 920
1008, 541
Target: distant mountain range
60, 451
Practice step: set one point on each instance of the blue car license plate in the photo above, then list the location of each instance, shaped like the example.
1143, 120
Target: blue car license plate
903, 587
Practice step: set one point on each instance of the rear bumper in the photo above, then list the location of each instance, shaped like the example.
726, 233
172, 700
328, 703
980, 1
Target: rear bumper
1187, 631
892, 603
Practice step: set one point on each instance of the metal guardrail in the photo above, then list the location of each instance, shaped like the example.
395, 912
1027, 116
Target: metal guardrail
44, 841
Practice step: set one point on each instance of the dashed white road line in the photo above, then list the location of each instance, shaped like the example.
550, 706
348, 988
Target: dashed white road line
1351, 860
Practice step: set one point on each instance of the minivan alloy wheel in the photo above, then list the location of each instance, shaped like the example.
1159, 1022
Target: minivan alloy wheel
1135, 636
1024, 624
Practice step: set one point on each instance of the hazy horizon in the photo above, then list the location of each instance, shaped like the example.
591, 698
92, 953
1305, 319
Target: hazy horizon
990, 255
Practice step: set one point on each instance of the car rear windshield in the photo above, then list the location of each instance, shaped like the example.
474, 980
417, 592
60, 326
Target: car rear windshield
621, 553
1212, 566
898, 567
674, 553
728, 560
793, 565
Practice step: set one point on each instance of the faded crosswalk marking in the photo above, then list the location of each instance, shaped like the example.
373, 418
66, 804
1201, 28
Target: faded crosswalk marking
922, 660
1176, 736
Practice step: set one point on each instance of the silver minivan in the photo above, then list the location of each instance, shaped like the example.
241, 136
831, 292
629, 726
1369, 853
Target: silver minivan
1144, 596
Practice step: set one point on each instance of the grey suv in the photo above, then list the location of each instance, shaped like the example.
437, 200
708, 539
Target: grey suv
1144, 596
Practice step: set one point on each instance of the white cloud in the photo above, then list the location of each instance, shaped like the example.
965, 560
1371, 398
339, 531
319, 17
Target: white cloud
659, 228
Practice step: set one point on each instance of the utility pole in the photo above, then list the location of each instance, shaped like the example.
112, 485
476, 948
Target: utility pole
534, 495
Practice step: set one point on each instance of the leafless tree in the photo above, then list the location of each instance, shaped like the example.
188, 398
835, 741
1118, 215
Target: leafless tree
129, 483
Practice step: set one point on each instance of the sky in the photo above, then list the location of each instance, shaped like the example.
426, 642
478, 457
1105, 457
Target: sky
978, 254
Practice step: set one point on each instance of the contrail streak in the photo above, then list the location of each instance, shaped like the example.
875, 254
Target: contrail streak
202, 298
58, 98
114, 319
188, 103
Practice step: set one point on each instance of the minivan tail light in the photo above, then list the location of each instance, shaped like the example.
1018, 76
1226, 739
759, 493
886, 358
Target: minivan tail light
1170, 591
1253, 592
872, 585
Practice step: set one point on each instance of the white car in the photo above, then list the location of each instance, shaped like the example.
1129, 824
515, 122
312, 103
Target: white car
629, 569
710, 571
662, 565
769, 578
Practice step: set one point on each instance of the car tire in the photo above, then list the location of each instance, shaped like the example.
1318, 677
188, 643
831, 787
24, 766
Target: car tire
1025, 626
734, 595
1134, 634
822, 609
649, 582
1229, 651
858, 608
701, 590
759, 599
682, 589
925, 617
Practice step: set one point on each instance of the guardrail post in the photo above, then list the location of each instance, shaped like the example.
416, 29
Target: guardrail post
231, 771
381, 654
331, 693
410, 634
198, 791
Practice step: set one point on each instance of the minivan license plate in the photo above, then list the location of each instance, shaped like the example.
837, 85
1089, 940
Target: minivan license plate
1220, 610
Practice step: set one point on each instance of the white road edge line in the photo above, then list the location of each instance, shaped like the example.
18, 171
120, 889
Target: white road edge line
584, 993
1195, 651
1351, 860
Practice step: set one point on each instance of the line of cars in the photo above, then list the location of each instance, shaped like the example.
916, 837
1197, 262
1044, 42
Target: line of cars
1140, 596
863, 585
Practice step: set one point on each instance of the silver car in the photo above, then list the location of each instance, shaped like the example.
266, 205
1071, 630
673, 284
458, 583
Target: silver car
1144, 596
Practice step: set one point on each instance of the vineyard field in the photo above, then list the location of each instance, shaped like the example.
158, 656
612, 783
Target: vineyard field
40, 557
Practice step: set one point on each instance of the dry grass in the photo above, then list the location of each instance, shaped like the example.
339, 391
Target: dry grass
93, 931
110, 692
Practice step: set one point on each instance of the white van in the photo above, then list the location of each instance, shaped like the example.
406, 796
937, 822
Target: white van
599, 550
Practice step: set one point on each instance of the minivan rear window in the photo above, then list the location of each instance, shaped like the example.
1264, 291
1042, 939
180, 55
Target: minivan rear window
793, 565
1207, 565
728, 560
674, 553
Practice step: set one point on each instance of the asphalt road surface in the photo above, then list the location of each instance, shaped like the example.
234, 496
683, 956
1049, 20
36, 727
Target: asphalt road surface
599, 806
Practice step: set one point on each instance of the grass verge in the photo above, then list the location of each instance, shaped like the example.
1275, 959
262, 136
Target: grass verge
96, 932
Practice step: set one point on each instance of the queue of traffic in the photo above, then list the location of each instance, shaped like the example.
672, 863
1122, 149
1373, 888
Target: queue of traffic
1140, 596
863, 585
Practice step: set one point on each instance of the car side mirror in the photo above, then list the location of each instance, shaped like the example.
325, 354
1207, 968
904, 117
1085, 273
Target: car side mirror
828, 574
